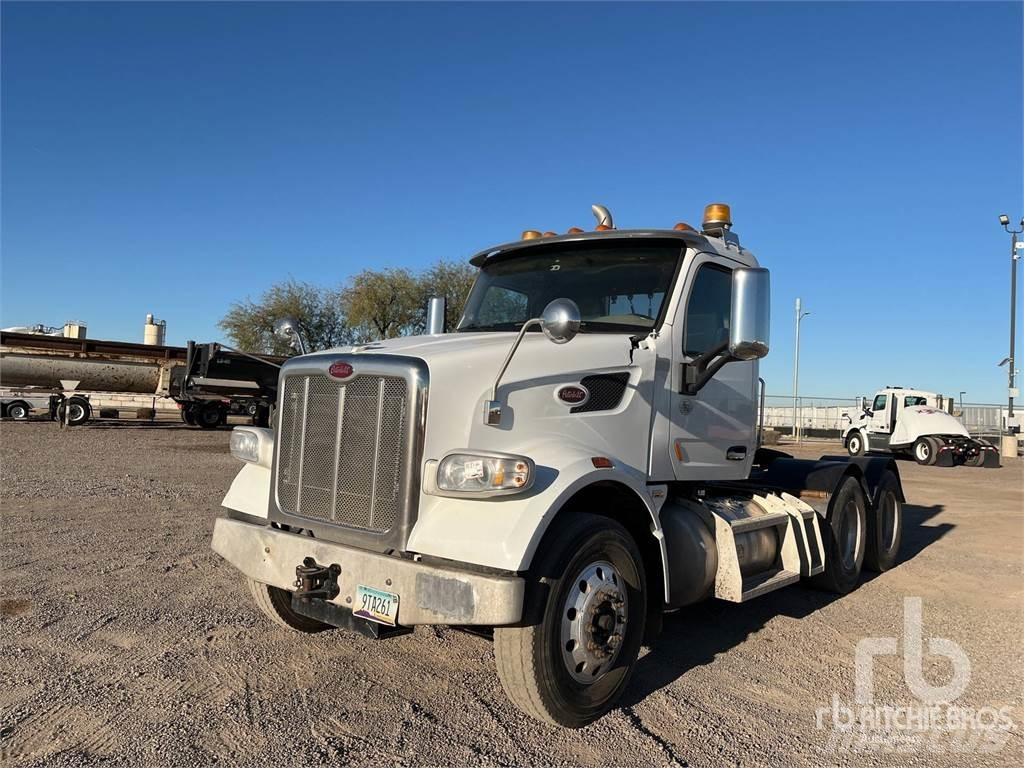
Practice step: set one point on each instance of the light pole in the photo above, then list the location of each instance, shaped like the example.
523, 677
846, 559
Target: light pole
1005, 221
962, 393
796, 373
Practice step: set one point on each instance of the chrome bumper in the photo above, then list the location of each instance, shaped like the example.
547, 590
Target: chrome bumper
428, 594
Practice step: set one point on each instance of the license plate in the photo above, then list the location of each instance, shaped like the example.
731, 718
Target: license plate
376, 605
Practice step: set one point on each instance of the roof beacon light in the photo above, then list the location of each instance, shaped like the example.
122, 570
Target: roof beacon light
604, 218
716, 216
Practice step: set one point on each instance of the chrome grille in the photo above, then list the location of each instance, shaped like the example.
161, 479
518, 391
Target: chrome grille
342, 449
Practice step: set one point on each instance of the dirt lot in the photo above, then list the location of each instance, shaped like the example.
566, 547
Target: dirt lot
126, 640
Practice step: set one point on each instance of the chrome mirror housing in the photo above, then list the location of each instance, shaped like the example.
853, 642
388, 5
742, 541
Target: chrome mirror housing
287, 328
751, 314
560, 320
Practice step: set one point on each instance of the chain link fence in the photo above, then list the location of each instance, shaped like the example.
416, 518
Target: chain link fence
823, 417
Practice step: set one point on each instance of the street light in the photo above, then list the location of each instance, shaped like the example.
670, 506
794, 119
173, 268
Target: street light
962, 393
796, 372
1014, 247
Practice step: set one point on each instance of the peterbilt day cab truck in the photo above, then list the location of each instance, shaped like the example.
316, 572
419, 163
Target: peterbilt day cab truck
576, 458
913, 422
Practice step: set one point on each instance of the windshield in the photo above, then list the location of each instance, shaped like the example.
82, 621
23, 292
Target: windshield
619, 286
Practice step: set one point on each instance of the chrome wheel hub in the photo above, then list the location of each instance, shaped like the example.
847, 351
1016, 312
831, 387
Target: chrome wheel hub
593, 622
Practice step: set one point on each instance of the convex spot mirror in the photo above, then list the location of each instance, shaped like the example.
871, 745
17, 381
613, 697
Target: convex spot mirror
560, 320
751, 313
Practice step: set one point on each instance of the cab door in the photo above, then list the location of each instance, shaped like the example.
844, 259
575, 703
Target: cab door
712, 433
881, 422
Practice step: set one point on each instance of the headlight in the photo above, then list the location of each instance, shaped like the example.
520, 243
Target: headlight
253, 444
484, 474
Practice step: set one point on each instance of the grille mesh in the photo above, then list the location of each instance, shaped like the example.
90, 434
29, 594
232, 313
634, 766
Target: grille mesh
606, 390
343, 446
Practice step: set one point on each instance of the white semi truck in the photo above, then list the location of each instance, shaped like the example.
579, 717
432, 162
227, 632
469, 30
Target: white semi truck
913, 422
576, 458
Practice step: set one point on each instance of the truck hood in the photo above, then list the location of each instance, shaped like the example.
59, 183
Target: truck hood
919, 420
463, 367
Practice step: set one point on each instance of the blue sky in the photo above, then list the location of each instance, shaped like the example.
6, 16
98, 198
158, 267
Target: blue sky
173, 158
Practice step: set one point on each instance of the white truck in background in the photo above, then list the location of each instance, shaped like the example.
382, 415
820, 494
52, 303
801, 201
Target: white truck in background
576, 458
913, 422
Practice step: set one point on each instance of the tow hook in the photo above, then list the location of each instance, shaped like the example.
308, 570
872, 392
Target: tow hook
315, 580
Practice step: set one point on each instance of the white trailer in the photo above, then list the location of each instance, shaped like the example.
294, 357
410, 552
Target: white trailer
912, 422
577, 457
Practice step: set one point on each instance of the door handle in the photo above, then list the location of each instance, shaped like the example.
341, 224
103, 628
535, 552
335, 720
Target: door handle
736, 453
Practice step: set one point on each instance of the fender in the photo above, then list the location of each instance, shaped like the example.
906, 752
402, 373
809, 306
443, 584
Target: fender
504, 531
824, 475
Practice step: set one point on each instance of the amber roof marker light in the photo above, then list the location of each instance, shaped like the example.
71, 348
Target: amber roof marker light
716, 216
531, 234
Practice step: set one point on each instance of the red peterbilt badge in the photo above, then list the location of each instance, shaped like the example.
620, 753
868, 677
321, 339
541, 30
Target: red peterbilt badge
572, 394
340, 370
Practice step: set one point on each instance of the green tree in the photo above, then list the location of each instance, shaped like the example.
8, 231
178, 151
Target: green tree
319, 312
382, 304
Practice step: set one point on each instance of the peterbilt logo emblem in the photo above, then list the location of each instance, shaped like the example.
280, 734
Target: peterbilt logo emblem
340, 370
572, 394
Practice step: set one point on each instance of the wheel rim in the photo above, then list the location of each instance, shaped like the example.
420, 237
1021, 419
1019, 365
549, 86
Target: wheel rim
77, 413
17, 412
855, 444
593, 622
888, 519
849, 535
923, 451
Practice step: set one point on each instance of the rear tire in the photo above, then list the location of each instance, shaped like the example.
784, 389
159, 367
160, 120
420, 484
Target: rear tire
924, 451
588, 583
276, 604
18, 410
80, 411
209, 416
188, 415
855, 443
885, 527
844, 535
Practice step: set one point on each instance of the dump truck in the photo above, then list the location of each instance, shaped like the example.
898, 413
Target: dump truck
913, 422
576, 458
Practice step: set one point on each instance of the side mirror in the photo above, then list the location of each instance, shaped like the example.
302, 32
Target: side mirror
287, 328
560, 320
751, 314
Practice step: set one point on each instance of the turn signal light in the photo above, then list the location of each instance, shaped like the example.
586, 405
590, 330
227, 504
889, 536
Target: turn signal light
531, 234
717, 216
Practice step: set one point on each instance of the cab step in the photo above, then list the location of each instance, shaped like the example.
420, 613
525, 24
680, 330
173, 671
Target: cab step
765, 542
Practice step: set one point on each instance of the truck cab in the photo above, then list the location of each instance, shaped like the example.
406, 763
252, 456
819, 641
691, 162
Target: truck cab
577, 456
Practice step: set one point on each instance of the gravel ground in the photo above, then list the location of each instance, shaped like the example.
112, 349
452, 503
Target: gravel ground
125, 640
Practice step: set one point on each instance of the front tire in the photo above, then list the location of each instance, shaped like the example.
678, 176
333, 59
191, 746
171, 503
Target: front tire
855, 443
585, 609
276, 605
924, 451
845, 536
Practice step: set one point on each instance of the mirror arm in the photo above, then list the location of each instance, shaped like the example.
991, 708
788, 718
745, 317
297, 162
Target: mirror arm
699, 372
492, 407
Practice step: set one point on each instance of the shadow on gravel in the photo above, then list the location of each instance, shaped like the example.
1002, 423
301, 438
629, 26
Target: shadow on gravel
696, 634
124, 424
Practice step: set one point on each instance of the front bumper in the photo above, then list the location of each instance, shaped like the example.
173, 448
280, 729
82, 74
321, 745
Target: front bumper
428, 594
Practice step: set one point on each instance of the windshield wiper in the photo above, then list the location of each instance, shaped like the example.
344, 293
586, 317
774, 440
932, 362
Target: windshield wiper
492, 327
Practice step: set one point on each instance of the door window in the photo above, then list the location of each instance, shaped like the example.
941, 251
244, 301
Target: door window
706, 325
879, 405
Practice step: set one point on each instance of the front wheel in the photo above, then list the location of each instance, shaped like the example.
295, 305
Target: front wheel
585, 611
276, 605
855, 443
924, 451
